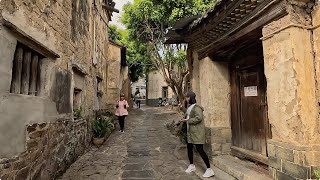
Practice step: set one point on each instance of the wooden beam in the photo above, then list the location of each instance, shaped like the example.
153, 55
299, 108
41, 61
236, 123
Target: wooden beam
276, 12
231, 7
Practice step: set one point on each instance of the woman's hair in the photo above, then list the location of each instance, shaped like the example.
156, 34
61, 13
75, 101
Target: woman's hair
121, 95
192, 100
192, 97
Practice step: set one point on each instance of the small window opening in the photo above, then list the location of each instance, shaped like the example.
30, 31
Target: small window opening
26, 71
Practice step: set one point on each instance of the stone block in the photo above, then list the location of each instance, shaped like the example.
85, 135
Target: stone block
36, 134
283, 153
299, 157
32, 144
23, 174
274, 162
295, 170
31, 128
216, 147
4, 160
271, 150
19, 164
226, 148
42, 125
272, 172
312, 158
283, 176
216, 153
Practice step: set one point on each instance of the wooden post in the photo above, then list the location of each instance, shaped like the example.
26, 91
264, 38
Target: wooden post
34, 75
17, 68
26, 72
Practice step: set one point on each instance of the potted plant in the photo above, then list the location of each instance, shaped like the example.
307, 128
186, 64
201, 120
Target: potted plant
100, 128
108, 116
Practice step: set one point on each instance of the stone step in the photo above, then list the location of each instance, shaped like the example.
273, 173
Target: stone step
240, 169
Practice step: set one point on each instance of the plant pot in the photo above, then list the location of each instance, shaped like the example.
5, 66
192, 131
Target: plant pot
98, 141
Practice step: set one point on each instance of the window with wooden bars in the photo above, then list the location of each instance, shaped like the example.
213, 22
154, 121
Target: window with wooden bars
26, 71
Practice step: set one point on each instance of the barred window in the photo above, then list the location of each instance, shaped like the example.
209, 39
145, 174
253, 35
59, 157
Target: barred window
26, 71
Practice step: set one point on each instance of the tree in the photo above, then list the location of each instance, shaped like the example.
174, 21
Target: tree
147, 22
136, 53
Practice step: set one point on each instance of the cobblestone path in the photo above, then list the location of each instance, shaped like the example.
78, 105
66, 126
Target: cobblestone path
146, 150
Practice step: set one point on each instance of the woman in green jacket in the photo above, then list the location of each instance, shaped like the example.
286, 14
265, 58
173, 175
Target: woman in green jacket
196, 133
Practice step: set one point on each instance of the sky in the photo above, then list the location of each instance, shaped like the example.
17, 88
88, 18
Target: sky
116, 16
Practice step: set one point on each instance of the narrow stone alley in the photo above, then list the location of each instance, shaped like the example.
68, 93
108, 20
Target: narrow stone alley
146, 150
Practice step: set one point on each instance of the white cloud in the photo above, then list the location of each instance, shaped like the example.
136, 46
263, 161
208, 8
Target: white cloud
116, 16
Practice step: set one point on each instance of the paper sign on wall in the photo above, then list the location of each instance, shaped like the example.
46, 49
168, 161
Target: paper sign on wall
251, 91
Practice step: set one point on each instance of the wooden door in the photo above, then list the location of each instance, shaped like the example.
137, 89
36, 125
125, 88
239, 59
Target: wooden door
249, 121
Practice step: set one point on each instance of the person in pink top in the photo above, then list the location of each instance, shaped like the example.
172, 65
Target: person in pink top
122, 111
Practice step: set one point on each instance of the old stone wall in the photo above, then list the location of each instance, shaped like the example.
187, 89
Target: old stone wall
293, 111
71, 37
113, 75
51, 148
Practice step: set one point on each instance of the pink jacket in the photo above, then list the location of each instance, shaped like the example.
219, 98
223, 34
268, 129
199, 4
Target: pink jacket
121, 111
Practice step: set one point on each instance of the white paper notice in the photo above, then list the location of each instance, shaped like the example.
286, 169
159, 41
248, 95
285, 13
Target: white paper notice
251, 91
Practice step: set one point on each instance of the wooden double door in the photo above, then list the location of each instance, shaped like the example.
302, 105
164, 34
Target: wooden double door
250, 125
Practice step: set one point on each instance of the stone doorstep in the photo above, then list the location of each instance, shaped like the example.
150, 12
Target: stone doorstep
240, 169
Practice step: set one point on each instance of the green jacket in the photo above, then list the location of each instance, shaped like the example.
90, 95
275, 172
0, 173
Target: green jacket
196, 132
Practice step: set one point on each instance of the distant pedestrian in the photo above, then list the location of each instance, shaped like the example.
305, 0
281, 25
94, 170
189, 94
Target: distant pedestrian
122, 111
195, 133
137, 100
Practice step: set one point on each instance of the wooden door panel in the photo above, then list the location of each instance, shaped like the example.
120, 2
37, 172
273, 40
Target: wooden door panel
248, 116
251, 117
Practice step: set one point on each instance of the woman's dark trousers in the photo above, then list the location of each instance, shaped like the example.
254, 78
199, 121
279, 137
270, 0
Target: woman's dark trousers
200, 150
121, 122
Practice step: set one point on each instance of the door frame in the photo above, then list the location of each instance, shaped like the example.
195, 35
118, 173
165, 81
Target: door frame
239, 64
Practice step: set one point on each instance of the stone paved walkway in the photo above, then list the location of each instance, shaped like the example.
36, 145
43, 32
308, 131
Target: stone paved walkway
145, 151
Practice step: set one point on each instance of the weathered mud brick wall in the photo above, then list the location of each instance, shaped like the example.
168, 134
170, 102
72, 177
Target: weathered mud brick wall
293, 110
53, 59
155, 84
210, 81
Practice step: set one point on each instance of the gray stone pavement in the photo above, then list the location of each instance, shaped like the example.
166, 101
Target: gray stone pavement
146, 150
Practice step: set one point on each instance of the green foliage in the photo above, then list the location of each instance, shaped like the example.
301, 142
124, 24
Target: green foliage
317, 174
114, 33
112, 118
77, 112
100, 127
136, 54
175, 56
148, 19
